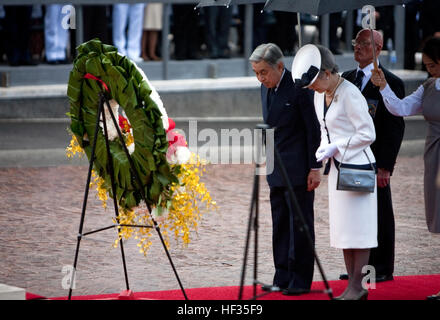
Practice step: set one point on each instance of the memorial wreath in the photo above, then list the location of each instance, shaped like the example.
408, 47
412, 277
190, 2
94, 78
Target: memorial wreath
169, 172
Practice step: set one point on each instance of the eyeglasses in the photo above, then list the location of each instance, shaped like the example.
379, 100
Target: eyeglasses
354, 43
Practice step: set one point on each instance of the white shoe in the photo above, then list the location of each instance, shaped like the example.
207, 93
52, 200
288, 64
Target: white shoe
136, 59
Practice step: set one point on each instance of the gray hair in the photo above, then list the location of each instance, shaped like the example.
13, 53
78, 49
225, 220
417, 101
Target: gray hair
327, 59
268, 52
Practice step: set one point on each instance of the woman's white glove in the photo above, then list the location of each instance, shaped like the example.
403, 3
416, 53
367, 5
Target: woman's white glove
326, 151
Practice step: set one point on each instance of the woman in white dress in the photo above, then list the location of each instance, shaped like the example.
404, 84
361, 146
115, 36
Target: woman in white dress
343, 114
151, 28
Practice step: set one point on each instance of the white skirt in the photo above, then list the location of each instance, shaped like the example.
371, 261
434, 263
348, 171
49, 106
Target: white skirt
153, 16
352, 216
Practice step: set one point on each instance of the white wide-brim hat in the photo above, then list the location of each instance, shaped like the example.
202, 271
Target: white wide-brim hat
306, 65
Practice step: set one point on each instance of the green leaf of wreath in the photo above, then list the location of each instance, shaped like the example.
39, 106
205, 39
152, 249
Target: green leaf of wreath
128, 87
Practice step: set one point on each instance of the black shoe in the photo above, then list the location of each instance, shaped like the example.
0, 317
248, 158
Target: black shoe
57, 62
224, 56
29, 62
14, 63
384, 277
343, 276
435, 297
195, 56
379, 278
63, 61
271, 288
295, 291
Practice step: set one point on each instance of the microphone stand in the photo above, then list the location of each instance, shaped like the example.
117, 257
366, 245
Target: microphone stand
253, 221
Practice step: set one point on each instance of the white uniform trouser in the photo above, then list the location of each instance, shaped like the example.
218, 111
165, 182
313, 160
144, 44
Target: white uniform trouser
55, 35
133, 14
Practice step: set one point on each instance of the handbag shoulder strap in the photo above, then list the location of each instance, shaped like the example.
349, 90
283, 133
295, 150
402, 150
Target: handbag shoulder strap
345, 151
348, 143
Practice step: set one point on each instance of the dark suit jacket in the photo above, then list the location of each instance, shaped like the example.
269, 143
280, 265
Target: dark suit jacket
297, 134
389, 128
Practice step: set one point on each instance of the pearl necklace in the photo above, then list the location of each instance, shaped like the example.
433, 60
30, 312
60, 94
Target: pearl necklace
336, 87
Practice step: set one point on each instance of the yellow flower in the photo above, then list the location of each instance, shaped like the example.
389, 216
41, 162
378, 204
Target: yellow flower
185, 203
74, 148
190, 199
98, 182
129, 140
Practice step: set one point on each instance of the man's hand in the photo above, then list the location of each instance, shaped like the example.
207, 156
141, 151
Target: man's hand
378, 78
313, 180
383, 177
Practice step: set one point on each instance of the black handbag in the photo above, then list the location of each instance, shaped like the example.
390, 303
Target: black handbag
356, 179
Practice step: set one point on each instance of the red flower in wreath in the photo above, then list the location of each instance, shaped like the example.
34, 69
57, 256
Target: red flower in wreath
178, 151
124, 124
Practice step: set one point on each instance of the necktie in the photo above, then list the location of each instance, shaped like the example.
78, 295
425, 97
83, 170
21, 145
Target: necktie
270, 97
358, 80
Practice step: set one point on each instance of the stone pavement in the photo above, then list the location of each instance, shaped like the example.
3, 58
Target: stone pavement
40, 215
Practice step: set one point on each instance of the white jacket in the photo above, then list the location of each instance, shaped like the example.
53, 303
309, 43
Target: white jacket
347, 117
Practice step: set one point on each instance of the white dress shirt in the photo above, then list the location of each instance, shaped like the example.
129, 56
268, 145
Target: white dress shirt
367, 74
282, 76
408, 106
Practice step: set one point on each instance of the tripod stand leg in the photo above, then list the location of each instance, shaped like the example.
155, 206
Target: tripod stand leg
256, 234
169, 258
294, 202
112, 178
254, 204
86, 195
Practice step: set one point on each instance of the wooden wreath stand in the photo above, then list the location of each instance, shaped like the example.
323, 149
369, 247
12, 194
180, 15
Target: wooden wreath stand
126, 294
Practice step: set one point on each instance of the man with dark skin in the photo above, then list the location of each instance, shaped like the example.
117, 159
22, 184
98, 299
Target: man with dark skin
389, 135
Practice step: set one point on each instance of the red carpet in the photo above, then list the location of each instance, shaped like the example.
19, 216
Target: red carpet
402, 288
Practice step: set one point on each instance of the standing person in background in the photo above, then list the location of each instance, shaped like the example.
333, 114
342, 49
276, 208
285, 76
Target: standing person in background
17, 26
263, 20
426, 101
37, 33
2, 33
429, 20
389, 136
284, 31
412, 33
185, 31
128, 44
217, 24
152, 27
55, 36
335, 23
96, 22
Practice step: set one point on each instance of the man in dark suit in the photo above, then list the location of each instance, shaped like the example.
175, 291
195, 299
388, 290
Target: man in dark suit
389, 135
291, 112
